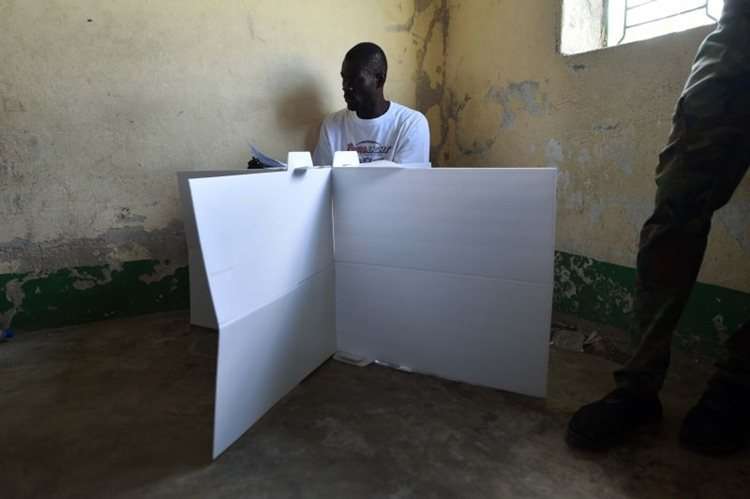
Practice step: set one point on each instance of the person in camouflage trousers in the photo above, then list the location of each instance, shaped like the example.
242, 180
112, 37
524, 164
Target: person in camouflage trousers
706, 157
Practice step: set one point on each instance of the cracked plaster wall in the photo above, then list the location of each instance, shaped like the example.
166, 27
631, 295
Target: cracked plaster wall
510, 99
102, 102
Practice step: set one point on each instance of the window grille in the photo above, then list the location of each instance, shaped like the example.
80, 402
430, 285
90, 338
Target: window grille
658, 16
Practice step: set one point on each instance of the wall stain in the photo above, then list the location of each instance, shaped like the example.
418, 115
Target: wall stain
125, 215
524, 96
419, 7
28, 256
431, 93
18, 149
553, 153
12, 105
422, 5
404, 27
251, 29
606, 127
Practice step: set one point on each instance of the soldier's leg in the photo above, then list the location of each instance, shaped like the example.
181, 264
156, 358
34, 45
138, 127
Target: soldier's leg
699, 170
698, 173
707, 156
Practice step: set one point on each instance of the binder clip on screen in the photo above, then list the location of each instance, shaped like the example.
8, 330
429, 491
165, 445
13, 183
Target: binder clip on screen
299, 159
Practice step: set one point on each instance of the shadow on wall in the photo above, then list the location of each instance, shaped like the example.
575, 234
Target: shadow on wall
300, 107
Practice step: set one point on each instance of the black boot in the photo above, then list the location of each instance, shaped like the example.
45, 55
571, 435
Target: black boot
720, 422
606, 423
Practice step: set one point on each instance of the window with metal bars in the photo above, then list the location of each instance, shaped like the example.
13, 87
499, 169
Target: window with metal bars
594, 24
633, 20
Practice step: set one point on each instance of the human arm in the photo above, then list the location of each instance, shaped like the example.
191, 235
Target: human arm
323, 155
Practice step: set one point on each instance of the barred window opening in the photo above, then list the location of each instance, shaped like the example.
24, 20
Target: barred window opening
594, 24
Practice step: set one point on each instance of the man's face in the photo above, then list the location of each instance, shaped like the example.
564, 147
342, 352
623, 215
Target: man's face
359, 84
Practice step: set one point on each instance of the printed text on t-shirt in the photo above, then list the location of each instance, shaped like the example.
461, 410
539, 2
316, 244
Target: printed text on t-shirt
369, 150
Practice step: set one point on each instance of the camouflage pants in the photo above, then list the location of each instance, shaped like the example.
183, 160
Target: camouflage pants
706, 158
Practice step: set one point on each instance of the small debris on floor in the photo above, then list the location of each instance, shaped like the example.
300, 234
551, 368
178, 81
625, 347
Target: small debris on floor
6, 334
571, 341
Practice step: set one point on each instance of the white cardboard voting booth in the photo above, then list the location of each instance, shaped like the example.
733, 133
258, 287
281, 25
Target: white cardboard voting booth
442, 271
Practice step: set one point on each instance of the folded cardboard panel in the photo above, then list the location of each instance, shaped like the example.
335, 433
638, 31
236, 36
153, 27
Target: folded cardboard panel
201, 307
480, 221
447, 272
267, 251
266, 353
488, 332
261, 235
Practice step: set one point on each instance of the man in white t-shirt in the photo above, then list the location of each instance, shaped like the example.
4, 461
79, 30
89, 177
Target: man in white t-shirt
374, 127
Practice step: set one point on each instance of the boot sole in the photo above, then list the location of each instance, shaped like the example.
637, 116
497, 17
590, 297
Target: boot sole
581, 441
712, 449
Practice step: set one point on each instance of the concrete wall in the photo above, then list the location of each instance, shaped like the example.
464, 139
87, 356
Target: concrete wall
102, 102
510, 98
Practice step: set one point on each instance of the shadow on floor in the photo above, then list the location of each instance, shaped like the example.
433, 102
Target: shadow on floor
106, 407
123, 408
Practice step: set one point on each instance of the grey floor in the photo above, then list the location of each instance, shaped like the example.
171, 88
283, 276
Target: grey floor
123, 409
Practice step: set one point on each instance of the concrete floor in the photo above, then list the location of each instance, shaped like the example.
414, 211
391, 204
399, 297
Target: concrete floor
123, 409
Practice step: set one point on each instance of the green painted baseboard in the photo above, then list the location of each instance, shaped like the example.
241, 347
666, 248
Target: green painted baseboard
584, 287
603, 292
83, 294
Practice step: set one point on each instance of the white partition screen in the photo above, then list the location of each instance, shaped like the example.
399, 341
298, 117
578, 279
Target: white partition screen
447, 271
442, 271
268, 254
201, 308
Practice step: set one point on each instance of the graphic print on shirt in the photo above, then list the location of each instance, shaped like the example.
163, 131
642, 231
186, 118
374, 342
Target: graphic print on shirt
369, 150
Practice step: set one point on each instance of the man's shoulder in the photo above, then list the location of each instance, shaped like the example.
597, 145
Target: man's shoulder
407, 115
335, 118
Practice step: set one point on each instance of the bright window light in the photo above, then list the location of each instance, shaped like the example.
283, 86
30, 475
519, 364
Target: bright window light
634, 20
594, 24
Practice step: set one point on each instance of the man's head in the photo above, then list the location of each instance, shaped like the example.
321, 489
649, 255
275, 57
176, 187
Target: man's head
363, 74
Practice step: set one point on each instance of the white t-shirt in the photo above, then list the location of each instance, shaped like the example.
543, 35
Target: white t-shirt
401, 135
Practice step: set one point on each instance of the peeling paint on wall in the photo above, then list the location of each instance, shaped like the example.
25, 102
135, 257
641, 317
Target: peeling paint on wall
114, 245
602, 119
81, 294
518, 96
603, 292
501, 108
588, 288
88, 191
553, 153
430, 77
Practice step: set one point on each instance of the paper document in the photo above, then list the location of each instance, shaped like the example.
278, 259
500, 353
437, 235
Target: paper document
266, 161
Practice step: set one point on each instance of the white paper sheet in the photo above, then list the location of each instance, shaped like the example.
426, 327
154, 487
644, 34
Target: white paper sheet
265, 160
